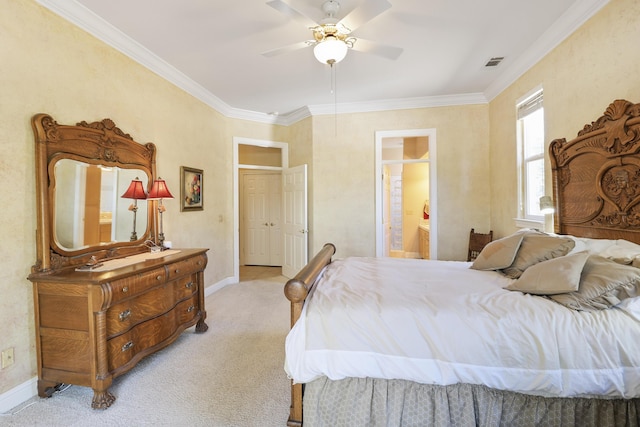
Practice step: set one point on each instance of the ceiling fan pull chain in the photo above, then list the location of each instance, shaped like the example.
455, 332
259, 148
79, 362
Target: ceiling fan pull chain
335, 97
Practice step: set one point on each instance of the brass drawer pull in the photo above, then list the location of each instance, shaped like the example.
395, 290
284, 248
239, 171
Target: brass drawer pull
191, 308
158, 277
127, 346
125, 315
189, 285
199, 262
177, 270
125, 289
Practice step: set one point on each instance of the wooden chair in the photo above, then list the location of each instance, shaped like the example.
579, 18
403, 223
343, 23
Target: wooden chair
477, 241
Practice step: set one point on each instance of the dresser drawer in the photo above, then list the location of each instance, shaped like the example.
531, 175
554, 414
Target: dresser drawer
123, 348
186, 286
125, 315
187, 266
129, 287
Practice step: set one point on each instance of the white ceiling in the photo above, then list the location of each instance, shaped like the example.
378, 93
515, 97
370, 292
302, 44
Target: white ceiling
212, 48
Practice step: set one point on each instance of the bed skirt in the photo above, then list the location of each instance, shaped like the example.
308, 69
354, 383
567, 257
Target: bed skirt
377, 402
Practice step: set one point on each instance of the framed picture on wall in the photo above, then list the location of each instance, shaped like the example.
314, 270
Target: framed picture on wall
190, 189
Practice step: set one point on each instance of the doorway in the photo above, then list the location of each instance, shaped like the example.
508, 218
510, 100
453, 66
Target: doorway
253, 157
406, 194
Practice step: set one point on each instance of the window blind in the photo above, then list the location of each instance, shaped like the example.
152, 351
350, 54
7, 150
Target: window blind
530, 105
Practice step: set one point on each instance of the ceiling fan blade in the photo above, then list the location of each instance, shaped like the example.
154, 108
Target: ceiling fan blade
368, 46
286, 9
287, 49
364, 13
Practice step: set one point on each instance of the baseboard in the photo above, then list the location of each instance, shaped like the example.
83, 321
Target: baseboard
18, 395
217, 286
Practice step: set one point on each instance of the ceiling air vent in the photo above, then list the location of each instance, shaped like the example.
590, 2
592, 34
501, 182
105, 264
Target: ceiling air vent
494, 61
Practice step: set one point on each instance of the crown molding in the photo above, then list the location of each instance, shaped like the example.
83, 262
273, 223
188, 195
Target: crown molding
399, 104
579, 12
87, 20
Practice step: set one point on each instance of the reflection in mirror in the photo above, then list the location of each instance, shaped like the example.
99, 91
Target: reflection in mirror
88, 208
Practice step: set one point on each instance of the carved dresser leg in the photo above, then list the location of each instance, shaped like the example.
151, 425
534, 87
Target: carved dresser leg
201, 326
102, 399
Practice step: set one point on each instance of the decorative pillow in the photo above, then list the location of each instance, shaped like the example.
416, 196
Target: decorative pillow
555, 276
499, 253
537, 247
603, 284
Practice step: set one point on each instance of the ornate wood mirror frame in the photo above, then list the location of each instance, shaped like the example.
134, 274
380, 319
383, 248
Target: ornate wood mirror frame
101, 144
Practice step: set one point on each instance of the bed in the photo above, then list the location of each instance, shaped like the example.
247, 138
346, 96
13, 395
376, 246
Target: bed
542, 329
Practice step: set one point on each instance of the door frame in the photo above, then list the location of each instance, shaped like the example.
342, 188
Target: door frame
284, 153
433, 185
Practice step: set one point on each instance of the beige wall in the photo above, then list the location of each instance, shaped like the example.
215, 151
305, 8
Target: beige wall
344, 181
597, 64
52, 66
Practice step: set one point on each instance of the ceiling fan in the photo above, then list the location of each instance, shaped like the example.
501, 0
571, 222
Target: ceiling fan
332, 37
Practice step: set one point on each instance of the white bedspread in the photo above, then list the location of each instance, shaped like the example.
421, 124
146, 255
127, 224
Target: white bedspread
439, 322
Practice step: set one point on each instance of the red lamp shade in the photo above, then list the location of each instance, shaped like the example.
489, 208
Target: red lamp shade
135, 190
159, 190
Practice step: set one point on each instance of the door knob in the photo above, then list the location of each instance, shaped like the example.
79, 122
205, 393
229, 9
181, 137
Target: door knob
266, 224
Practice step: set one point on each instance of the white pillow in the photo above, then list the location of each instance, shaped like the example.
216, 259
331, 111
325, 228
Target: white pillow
555, 276
593, 246
621, 254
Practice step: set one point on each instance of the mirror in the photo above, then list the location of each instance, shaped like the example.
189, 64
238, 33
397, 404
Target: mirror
88, 205
82, 172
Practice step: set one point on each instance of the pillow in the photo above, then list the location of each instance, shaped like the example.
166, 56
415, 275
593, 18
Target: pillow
603, 284
621, 254
627, 244
593, 246
555, 276
499, 253
537, 247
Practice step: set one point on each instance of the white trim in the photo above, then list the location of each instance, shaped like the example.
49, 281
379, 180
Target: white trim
528, 223
433, 184
219, 285
398, 104
18, 395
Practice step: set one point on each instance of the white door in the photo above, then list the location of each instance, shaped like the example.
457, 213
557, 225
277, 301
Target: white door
256, 220
262, 209
386, 209
294, 220
275, 219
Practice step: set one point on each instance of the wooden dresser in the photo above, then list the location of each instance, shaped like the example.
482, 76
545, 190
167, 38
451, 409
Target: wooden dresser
93, 326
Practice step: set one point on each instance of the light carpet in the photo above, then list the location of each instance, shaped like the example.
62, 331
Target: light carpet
231, 375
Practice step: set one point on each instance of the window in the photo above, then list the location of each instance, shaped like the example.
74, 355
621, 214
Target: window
530, 129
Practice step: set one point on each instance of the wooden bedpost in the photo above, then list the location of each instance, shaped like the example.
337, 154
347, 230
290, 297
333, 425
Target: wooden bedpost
296, 291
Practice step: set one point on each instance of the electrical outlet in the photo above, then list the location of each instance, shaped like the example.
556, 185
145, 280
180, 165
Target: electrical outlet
7, 358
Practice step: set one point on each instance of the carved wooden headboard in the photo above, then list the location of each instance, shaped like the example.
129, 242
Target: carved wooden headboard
596, 177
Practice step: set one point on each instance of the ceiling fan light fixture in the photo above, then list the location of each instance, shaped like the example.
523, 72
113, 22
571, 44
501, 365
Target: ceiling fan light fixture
331, 50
